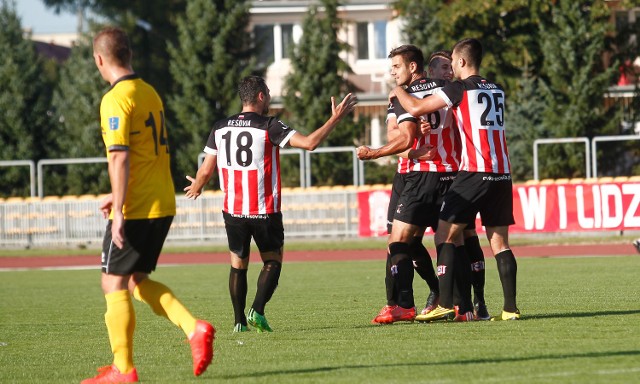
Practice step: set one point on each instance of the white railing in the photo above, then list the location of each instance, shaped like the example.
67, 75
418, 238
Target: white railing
591, 163
32, 171
591, 158
597, 139
53, 221
561, 141
43, 162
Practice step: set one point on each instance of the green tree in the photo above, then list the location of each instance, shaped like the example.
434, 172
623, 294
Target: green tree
422, 27
507, 30
150, 25
625, 49
76, 115
572, 38
523, 125
212, 54
561, 44
318, 73
23, 101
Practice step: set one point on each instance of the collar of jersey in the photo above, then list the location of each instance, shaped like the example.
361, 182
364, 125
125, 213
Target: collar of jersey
123, 78
417, 81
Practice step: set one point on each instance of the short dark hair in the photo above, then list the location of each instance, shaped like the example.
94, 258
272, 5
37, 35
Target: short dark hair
470, 50
433, 58
113, 43
250, 87
409, 53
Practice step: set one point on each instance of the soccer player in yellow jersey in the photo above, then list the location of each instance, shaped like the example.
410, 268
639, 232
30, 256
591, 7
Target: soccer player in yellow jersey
140, 209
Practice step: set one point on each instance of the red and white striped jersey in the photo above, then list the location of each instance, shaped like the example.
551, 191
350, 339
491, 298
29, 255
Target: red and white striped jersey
247, 147
443, 134
478, 108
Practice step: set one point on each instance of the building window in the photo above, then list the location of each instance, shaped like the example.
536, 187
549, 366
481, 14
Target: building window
371, 40
380, 39
263, 35
363, 41
287, 40
273, 42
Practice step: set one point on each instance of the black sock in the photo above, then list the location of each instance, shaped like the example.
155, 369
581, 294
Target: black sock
462, 278
456, 295
402, 270
389, 283
267, 284
423, 264
508, 269
446, 257
238, 291
476, 257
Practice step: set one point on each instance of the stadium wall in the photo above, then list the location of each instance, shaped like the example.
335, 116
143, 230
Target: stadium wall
547, 206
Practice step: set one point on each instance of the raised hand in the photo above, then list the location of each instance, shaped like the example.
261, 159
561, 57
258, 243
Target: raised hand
346, 105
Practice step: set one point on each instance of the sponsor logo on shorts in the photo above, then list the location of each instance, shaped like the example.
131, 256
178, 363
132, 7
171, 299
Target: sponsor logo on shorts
394, 270
263, 217
442, 269
497, 178
399, 208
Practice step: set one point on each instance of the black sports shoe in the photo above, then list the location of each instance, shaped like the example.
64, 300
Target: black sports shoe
432, 302
480, 311
636, 243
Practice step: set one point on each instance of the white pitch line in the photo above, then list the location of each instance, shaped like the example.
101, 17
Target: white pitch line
64, 268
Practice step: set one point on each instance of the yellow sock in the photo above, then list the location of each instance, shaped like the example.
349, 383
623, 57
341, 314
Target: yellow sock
121, 322
164, 303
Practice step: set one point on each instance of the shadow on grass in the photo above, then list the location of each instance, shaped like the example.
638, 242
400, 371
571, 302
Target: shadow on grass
525, 317
580, 314
436, 364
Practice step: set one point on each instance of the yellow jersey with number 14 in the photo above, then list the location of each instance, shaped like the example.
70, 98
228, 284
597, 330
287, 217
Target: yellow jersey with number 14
132, 119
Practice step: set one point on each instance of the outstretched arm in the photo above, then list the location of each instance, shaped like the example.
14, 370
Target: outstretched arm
418, 107
202, 177
407, 133
316, 137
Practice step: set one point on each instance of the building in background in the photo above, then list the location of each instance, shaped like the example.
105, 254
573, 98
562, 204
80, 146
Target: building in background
370, 28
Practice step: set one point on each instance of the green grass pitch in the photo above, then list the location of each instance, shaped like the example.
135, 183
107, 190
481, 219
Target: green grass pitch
581, 324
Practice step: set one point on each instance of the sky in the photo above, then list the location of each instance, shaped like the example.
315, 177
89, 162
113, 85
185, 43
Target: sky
33, 14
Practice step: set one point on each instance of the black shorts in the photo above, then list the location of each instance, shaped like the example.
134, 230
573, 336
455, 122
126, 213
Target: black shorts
396, 190
422, 196
267, 231
491, 194
144, 239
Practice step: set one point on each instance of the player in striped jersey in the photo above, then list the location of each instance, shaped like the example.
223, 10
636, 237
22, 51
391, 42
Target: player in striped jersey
484, 181
420, 257
419, 198
245, 150
440, 68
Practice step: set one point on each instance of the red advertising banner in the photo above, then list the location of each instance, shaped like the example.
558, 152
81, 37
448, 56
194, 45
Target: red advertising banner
565, 207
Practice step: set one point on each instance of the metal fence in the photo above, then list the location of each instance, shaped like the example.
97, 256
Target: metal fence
312, 212
591, 153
